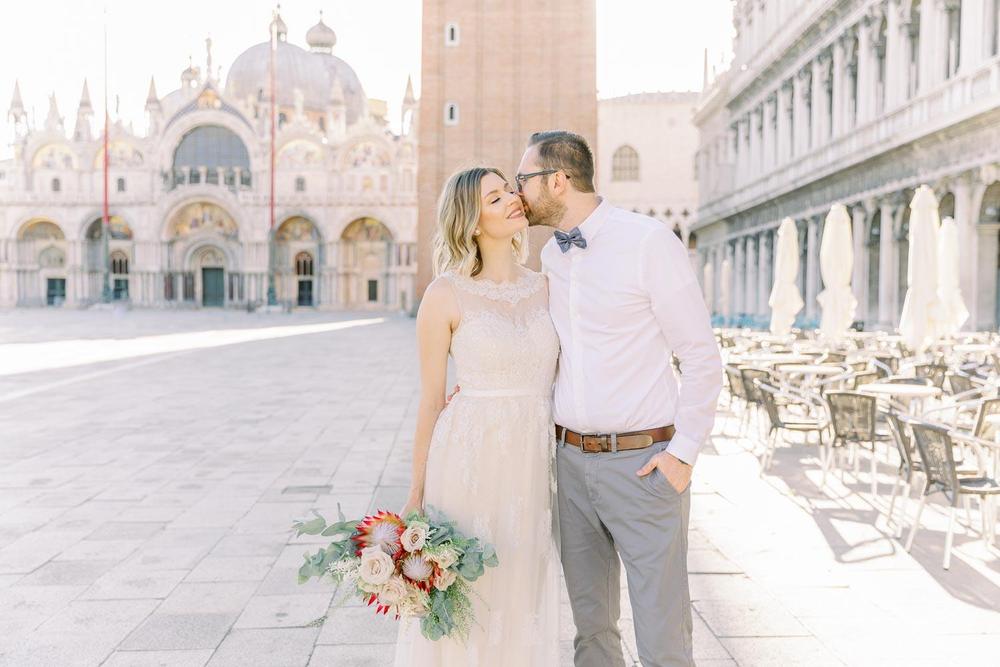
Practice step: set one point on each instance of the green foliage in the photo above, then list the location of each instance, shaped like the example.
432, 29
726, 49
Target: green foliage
318, 564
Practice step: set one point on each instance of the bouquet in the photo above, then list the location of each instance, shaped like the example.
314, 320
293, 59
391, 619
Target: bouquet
419, 566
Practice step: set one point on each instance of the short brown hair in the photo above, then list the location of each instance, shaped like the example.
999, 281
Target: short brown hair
568, 151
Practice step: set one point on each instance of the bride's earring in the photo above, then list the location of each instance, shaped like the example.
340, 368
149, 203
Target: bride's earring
475, 233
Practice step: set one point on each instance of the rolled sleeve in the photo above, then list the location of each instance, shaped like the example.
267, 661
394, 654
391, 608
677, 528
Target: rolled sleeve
677, 304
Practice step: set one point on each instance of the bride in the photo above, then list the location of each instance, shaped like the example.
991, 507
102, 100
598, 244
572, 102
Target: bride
485, 459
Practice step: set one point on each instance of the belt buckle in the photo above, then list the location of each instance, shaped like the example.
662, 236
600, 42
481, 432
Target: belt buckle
601, 445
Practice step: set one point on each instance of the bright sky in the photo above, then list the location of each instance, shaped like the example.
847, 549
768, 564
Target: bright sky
52, 45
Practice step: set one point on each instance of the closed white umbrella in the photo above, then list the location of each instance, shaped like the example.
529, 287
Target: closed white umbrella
921, 319
725, 279
836, 260
953, 310
708, 280
785, 300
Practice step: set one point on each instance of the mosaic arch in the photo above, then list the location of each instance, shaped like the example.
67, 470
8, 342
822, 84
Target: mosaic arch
120, 231
40, 230
121, 153
297, 228
202, 217
366, 229
54, 156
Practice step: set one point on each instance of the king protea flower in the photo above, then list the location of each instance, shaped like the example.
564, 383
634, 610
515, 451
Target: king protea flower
419, 570
381, 530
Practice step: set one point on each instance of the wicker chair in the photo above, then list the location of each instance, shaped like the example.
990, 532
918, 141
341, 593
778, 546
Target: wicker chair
983, 429
933, 372
935, 446
737, 392
865, 377
854, 417
779, 405
749, 374
959, 383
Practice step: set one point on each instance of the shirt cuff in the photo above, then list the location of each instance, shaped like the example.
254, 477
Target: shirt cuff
684, 448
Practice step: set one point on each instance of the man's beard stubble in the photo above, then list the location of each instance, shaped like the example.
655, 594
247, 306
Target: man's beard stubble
548, 212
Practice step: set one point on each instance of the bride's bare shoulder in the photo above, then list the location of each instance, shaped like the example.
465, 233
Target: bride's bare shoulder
439, 299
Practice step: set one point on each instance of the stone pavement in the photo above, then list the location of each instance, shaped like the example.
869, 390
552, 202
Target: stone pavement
147, 488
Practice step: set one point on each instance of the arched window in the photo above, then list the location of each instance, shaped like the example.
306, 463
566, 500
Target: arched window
913, 81
282, 119
300, 184
625, 164
119, 262
303, 264
211, 146
56, 185
451, 114
120, 185
451, 34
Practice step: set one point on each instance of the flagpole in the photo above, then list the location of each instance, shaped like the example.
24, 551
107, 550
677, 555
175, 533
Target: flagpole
106, 218
271, 297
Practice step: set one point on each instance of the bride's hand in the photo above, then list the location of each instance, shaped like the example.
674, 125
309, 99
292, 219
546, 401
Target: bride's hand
413, 504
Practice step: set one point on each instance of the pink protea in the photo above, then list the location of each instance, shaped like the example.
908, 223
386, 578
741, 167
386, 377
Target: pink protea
380, 530
418, 570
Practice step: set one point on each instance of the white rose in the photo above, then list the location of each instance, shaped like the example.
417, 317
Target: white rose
444, 557
376, 566
393, 592
445, 579
415, 536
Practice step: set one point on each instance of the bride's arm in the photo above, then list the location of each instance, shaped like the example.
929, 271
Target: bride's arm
437, 318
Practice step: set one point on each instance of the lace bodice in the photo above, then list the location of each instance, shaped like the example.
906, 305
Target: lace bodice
505, 342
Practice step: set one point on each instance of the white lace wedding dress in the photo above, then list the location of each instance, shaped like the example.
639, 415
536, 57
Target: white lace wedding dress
491, 469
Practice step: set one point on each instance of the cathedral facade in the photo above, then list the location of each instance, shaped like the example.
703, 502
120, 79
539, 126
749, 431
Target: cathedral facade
190, 218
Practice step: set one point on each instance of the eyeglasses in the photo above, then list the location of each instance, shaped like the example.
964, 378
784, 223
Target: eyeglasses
521, 178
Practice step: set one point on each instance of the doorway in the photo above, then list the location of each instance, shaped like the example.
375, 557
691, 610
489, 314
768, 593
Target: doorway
55, 291
212, 287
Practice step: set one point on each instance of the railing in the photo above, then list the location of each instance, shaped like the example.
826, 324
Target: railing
234, 179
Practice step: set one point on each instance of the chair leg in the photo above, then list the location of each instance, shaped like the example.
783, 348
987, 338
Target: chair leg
857, 459
892, 501
916, 520
874, 473
968, 511
903, 502
948, 537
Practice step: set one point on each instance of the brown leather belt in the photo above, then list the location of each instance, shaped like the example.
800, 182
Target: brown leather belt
594, 443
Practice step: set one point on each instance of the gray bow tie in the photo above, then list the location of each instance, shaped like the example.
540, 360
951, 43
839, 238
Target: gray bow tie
567, 240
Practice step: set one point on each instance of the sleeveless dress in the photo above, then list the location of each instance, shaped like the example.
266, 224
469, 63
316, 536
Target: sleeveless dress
491, 469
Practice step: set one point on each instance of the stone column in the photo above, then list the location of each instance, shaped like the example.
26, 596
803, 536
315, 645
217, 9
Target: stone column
965, 220
896, 60
887, 261
803, 100
972, 46
764, 264
752, 273
739, 278
841, 96
812, 267
933, 44
770, 125
859, 272
786, 97
866, 70
818, 104
756, 141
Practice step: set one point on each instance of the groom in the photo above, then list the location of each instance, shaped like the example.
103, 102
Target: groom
623, 298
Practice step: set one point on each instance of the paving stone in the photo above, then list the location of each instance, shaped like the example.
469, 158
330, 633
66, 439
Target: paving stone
287, 647
282, 611
182, 658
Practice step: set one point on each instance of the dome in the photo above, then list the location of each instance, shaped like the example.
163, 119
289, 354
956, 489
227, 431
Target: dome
312, 73
321, 37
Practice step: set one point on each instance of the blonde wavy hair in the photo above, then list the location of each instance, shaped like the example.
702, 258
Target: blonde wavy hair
459, 208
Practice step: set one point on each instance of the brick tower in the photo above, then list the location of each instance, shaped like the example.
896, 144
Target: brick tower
492, 73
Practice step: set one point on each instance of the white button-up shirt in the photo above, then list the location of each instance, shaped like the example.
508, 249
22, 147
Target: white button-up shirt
621, 307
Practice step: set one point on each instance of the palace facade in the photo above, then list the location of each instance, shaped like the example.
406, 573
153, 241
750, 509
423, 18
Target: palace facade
855, 102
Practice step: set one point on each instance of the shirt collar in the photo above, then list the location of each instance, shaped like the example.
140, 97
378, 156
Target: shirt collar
592, 225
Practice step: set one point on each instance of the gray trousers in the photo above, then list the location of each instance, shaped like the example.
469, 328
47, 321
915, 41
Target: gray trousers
607, 511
